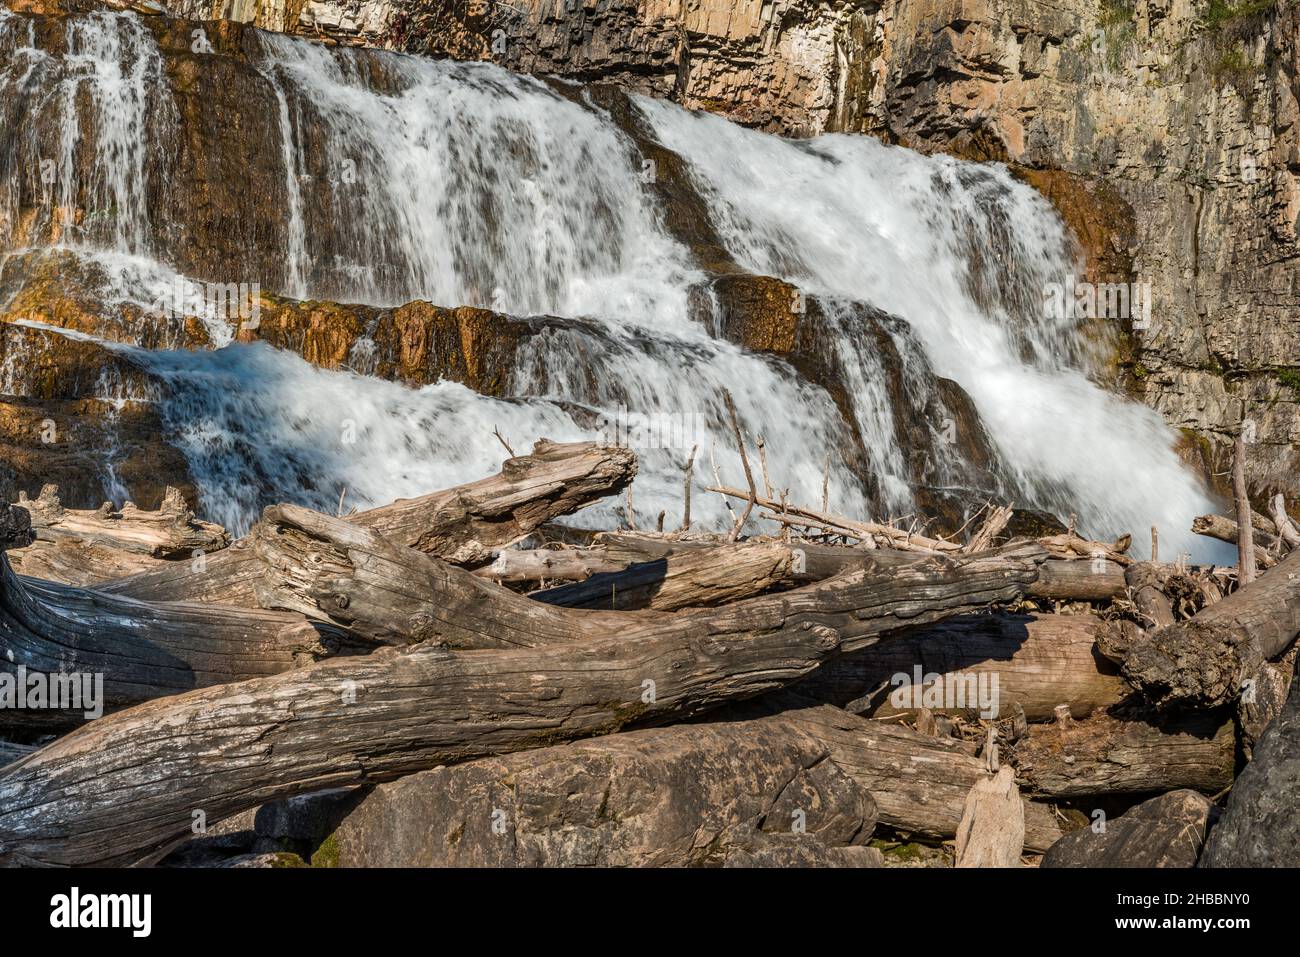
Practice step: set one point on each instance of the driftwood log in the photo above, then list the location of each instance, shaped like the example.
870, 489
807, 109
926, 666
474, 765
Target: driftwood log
919, 782
687, 578
396, 711
1114, 755
1205, 660
1226, 530
1059, 579
1031, 661
461, 524
139, 651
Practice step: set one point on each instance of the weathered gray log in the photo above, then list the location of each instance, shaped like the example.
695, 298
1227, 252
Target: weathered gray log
335, 569
1068, 580
1227, 530
1166, 831
124, 651
1282, 522
169, 532
81, 563
1032, 661
682, 796
461, 524
1205, 660
919, 782
1260, 826
521, 566
690, 578
1110, 755
395, 711
1060, 579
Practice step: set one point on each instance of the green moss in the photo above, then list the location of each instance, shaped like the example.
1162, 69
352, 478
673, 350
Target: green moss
1115, 19
1289, 378
327, 855
1140, 371
1220, 13
288, 860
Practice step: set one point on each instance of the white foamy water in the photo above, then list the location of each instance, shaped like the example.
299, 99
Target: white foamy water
462, 183
962, 253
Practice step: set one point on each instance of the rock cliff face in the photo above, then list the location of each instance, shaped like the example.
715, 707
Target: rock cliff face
1164, 130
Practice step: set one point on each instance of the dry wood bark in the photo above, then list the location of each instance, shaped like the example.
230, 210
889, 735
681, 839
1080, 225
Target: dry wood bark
84, 564
992, 828
142, 651
1113, 755
461, 524
990, 529
1227, 530
1282, 522
884, 535
1038, 662
688, 578
919, 782
396, 711
1059, 579
1245, 523
1071, 546
529, 565
171, 531
1204, 661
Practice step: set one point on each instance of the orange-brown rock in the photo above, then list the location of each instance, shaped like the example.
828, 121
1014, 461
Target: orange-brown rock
417, 343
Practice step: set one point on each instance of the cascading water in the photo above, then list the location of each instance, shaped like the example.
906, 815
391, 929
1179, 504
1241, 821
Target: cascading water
409, 179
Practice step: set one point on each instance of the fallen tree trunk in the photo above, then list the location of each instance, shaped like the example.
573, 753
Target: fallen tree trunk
520, 566
1112, 755
1033, 661
1226, 530
396, 711
919, 782
1059, 579
83, 564
1204, 661
461, 525
132, 651
691, 578
170, 532
1068, 580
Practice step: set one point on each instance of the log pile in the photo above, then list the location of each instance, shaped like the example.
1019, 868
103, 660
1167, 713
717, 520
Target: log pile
449, 680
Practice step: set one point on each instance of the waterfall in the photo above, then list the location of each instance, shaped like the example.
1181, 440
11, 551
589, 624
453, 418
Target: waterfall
406, 178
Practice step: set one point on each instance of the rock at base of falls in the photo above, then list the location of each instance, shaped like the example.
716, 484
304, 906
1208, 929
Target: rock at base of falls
79, 416
741, 793
1166, 831
1260, 827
